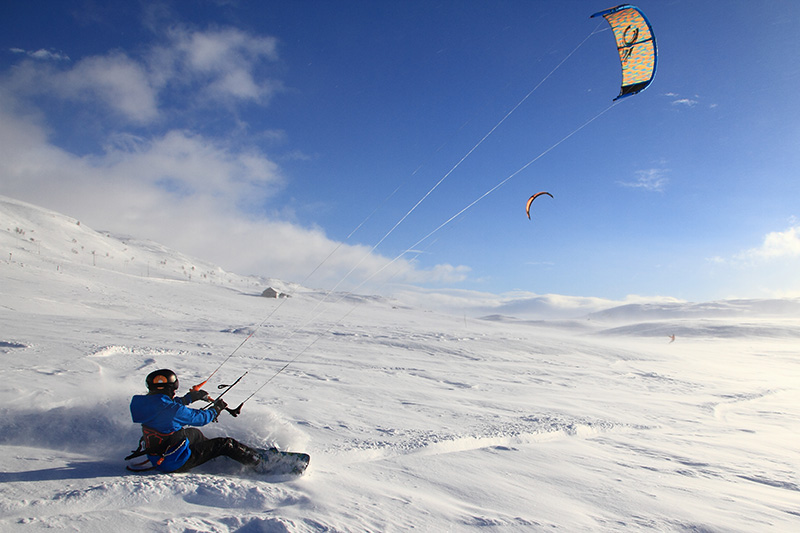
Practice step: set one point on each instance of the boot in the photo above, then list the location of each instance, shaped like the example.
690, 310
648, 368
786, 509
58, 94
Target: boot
241, 453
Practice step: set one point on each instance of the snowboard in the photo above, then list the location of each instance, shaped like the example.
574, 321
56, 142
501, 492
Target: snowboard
275, 462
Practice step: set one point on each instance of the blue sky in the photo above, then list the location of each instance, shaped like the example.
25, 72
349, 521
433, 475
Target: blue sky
260, 135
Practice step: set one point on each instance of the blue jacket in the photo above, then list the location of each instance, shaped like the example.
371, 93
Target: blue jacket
166, 415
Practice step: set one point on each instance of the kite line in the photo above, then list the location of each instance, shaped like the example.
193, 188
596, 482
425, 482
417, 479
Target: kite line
395, 226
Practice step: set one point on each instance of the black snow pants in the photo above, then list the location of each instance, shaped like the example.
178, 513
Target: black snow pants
205, 449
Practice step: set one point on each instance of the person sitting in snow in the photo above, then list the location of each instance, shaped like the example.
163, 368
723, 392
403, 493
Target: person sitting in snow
168, 443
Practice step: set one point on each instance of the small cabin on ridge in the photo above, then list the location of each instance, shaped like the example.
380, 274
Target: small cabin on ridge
269, 292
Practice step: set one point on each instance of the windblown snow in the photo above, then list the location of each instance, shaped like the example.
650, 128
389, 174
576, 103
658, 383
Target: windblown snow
414, 418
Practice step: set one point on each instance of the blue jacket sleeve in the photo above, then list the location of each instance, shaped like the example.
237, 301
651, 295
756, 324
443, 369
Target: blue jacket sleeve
186, 416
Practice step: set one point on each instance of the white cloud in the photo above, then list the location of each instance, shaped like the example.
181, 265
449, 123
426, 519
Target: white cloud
767, 270
688, 102
776, 245
438, 274
679, 101
117, 80
653, 179
220, 66
195, 165
42, 54
771, 267
187, 191
223, 50
225, 62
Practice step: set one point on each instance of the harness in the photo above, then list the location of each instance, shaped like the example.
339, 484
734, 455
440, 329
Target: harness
154, 442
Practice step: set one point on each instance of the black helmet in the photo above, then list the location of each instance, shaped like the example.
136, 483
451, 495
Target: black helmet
163, 380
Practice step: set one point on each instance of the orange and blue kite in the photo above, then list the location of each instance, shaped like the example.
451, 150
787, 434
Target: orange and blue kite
636, 45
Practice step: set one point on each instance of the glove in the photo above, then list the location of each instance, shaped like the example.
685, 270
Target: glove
219, 406
195, 395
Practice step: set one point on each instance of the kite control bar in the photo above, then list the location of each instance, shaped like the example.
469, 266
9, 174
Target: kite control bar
234, 412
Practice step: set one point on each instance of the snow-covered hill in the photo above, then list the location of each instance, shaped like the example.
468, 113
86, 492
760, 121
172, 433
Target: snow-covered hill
414, 419
46, 240
722, 309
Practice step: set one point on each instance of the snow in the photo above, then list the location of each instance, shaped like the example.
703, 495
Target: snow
414, 418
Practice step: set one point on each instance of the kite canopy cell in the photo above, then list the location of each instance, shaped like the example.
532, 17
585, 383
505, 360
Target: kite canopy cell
636, 45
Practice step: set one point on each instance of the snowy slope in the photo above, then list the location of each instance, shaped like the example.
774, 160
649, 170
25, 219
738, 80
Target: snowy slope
414, 419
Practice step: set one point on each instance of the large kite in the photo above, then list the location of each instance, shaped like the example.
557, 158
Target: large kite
636, 45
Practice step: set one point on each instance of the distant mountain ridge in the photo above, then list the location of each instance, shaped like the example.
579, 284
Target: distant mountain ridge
717, 309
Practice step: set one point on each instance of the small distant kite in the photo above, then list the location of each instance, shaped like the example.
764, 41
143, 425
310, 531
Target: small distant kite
532, 198
636, 45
